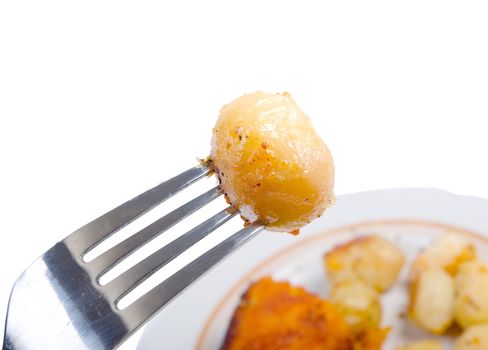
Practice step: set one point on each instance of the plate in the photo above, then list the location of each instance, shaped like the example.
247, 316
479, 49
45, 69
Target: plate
302, 265
412, 217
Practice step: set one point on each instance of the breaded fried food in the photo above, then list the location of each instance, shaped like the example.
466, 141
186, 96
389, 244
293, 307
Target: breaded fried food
277, 316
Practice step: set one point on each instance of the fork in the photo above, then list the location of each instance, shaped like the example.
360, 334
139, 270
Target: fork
59, 303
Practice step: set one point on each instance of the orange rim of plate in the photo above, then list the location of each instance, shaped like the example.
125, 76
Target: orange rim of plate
239, 285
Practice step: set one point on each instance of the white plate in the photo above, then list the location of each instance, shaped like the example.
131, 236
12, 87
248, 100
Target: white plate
180, 325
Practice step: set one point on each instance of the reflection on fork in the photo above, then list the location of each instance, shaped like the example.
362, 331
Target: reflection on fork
59, 302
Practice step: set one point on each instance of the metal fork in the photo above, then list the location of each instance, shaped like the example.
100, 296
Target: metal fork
58, 302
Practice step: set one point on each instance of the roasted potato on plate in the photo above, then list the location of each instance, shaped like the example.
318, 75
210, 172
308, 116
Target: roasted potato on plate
359, 304
448, 252
473, 338
471, 305
432, 300
370, 259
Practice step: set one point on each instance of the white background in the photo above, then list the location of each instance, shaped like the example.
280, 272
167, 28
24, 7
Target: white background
100, 100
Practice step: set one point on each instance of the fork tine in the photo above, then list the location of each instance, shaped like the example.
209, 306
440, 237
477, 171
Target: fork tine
146, 306
86, 237
127, 281
117, 253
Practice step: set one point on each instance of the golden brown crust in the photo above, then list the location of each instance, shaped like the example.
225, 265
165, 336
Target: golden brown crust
278, 316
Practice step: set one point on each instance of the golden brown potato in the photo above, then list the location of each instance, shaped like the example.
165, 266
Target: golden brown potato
432, 300
359, 304
449, 252
423, 345
271, 163
471, 305
373, 260
473, 338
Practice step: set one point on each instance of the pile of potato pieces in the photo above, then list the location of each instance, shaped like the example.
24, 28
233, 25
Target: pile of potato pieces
448, 285
358, 272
